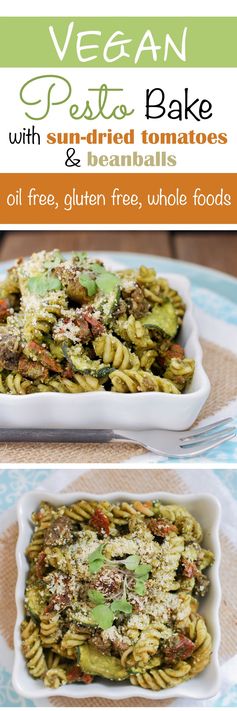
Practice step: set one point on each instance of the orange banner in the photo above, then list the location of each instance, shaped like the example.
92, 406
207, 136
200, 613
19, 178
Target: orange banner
118, 198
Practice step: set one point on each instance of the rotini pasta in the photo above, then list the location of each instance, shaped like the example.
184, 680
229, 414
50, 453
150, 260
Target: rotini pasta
105, 594
33, 650
83, 510
180, 372
55, 677
112, 351
157, 679
73, 639
72, 326
49, 629
134, 381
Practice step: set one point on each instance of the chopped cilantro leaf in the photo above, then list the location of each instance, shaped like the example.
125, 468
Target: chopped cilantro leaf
121, 606
103, 616
42, 283
89, 284
107, 282
96, 596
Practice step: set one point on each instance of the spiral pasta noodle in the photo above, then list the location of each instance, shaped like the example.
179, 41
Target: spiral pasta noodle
167, 578
187, 525
133, 332
73, 639
33, 650
133, 381
55, 677
147, 358
41, 521
180, 372
145, 647
157, 679
65, 652
77, 384
56, 674
83, 510
49, 629
15, 384
174, 297
121, 513
36, 544
112, 351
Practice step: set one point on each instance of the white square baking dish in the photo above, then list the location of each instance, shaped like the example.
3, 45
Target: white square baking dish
206, 509
111, 410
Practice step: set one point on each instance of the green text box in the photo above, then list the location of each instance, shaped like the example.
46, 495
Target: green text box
210, 41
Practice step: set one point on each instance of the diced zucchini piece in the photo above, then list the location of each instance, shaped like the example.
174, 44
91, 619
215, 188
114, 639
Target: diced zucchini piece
56, 350
107, 303
81, 363
86, 366
35, 602
92, 661
162, 318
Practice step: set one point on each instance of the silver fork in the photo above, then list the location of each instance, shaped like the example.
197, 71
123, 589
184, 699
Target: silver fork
188, 443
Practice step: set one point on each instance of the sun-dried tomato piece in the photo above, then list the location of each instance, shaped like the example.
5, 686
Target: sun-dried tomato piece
31, 369
39, 515
84, 329
174, 351
178, 647
88, 324
87, 678
40, 565
161, 527
4, 309
100, 521
68, 372
45, 357
58, 602
96, 326
76, 674
189, 570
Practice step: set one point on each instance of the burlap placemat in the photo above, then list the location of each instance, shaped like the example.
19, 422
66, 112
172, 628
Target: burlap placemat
221, 367
98, 481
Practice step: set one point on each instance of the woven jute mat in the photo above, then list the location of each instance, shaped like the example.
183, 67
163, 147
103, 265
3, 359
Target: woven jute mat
97, 482
221, 367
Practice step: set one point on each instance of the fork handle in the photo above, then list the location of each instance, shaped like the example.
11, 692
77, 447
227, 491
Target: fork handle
22, 434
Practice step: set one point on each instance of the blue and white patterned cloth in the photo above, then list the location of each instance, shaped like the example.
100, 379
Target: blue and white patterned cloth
14, 483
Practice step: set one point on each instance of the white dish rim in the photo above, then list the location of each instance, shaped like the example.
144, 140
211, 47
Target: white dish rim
114, 692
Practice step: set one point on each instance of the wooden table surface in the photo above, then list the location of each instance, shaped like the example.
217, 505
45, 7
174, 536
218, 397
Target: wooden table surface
212, 249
